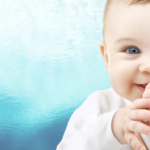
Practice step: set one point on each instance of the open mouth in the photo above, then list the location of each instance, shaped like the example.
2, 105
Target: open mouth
141, 87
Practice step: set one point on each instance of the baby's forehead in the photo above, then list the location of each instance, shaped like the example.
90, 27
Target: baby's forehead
124, 20
115, 6
112, 14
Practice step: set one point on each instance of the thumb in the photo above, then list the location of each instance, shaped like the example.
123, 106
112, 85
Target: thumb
146, 93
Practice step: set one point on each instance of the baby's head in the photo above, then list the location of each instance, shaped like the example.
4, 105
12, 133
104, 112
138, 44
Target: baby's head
126, 46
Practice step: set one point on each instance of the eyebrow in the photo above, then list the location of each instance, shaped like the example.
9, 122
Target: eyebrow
126, 39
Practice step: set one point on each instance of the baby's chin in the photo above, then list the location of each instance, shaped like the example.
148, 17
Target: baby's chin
130, 94
134, 95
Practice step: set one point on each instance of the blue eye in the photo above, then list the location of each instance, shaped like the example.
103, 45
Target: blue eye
132, 50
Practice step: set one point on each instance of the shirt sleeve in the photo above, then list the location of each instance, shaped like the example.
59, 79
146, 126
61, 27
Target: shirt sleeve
89, 129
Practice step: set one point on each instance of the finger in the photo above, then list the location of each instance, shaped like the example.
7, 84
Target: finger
140, 115
141, 103
134, 142
136, 126
148, 86
146, 93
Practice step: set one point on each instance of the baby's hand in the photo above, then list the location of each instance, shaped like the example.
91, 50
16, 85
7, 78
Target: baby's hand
134, 122
146, 93
133, 119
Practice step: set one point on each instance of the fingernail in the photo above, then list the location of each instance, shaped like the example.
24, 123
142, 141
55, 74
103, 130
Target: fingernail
142, 148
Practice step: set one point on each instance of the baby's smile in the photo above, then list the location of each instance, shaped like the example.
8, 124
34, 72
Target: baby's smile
126, 49
142, 87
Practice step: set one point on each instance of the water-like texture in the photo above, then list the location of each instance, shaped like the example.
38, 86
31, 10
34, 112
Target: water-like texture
49, 64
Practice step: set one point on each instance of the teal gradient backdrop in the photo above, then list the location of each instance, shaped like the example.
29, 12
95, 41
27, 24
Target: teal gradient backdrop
50, 63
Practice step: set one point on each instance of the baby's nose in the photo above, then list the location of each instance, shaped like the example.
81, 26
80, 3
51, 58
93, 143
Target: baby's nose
145, 68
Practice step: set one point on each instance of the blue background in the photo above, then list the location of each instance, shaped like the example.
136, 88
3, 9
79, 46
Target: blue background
50, 63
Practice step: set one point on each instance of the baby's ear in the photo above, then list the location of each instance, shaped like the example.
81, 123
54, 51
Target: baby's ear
104, 53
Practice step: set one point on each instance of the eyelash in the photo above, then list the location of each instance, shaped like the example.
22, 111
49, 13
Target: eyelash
129, 48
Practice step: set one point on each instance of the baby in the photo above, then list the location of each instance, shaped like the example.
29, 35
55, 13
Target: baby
116, 118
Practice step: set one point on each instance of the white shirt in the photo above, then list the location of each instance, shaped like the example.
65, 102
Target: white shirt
89, 127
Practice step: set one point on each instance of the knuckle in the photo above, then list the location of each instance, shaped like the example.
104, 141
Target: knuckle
135, 125
137, 145
147, 101
124, 136
132, 115
145, 129
147, 115
131, 140
137, 114
129, 125
134, 143
136, 102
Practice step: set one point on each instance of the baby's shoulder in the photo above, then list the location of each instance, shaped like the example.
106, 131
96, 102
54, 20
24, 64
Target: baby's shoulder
105, 100
103, 95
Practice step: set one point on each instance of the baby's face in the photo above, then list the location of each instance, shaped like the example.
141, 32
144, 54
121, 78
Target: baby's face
127, 51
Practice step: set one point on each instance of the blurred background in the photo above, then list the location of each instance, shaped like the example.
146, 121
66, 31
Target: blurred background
50, 62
